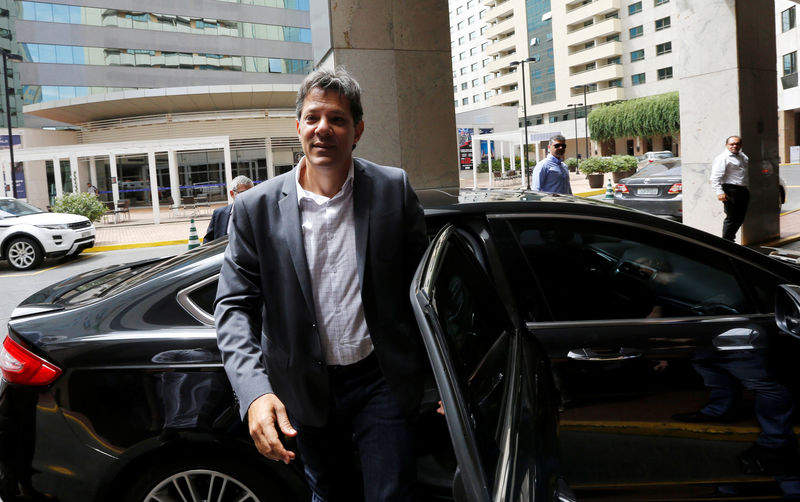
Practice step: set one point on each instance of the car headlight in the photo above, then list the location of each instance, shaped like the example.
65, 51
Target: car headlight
55, 226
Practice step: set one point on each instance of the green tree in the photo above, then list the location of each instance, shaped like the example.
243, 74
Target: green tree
649, 116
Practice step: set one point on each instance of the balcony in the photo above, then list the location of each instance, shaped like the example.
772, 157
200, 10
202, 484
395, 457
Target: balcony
600, 96
503, 27
599, 74
588, 11
593, 32
502, 63
502, 46
597, 53
505, 81
505, 99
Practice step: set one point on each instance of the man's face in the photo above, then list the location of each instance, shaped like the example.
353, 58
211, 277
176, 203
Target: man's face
327, 131
734, 144
558, 148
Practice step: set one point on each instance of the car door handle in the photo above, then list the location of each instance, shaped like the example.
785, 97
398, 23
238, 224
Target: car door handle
604, 354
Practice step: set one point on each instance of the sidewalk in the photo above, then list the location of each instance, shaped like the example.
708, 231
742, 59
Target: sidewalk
140, 231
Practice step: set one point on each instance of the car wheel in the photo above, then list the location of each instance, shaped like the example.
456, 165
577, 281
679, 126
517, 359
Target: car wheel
203, 479
23, 253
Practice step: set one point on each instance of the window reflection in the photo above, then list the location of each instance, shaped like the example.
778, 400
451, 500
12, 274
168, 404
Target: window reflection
93, 16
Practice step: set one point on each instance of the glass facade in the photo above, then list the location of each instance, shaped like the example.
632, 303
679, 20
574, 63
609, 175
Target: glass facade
153, 58
93, 16
8, 43
281, 4
41, 93
542, 72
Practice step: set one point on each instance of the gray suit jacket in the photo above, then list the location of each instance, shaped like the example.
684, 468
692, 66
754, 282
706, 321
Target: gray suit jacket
264, 311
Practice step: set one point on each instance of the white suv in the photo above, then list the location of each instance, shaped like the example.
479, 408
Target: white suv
28, 235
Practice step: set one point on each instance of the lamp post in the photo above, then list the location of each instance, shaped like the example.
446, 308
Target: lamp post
585, 121
14, 57
521, 64
575, 116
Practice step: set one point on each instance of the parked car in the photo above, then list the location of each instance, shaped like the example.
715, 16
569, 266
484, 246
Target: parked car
28, 235
651, 157
658, 189
563, 334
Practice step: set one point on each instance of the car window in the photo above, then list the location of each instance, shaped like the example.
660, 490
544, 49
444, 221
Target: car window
477, 331
593, 270
13, 207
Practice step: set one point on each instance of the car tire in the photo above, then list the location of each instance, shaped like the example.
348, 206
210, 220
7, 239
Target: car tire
204, 477
24, 253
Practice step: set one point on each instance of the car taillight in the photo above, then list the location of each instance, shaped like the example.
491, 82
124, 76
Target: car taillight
676, 188
621, 188
21, 366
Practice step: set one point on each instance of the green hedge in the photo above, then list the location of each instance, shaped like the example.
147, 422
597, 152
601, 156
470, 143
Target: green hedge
650, 116
82, 203
613, 164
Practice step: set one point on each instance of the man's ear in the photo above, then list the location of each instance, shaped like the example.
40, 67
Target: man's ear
359, 131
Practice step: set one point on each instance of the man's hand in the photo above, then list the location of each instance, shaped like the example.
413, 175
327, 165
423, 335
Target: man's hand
722, 197
262, 416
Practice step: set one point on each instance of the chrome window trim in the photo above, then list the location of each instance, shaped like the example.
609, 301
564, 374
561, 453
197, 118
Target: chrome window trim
191, 307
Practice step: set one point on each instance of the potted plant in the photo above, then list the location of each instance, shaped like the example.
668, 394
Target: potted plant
623, 166
572, 164
595, 168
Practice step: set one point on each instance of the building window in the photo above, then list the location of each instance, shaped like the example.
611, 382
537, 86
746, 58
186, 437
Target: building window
482, 13
634, 8
553, 118
460, 25
662, 24
470, 19
460, 40
465, 101
591, 66
637, 55
637, 79
486, 78
614, 60
463, 86
484, 46
473, 51
588, 23
788, 19
474, 67
472, 35
463, 71
790, 63
588, 45
462, 56
636, 31
483, 29
612, 15
656, 3
613, 38
615, 83
664, 48
664, 73
476, 98
459, 10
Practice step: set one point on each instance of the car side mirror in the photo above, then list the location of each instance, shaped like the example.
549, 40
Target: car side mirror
787, 309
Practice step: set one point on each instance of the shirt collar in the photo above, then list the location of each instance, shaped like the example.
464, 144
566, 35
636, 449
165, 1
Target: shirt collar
302, 193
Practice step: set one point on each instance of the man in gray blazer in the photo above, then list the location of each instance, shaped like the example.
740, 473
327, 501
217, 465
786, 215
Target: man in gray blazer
313, 314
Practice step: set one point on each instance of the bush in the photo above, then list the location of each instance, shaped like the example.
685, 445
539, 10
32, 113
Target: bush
622, 163
596, 165
82, 203
483, 168
571, 163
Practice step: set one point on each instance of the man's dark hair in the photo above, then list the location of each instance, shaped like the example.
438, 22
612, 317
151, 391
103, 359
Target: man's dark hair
338, 80
728, 140
558, 138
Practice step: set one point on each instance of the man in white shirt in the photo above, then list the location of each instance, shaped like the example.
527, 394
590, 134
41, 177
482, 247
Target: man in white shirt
730, 179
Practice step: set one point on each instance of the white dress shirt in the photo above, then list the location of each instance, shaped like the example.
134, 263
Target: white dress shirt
731, 168
329, 237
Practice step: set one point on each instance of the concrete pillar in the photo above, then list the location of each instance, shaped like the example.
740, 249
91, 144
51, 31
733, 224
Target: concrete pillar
270, 159
226, 153
57, 176
151, 169
402, 61
731, 90
112, 167
75, 173
174, 177
92, 171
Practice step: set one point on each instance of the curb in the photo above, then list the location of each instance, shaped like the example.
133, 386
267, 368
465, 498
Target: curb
115, 247
592, 193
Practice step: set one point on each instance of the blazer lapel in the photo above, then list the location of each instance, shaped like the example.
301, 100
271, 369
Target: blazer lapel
362, 195
292, 232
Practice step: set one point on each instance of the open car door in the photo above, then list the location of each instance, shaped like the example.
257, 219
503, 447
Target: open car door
492, 379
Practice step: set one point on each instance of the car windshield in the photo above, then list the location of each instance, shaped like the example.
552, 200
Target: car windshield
662, 155
13, 207
659, 171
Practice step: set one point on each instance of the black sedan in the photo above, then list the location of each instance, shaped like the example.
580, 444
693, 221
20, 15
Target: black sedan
656, 189
576, 348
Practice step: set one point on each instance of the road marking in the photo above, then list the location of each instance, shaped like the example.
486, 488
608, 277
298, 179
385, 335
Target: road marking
115, 247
